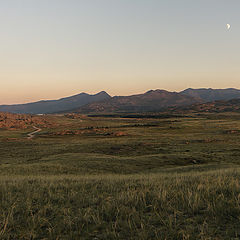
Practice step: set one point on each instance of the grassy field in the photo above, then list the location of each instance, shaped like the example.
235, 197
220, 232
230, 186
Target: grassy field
122, 178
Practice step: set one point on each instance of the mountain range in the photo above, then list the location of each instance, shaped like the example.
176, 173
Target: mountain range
153, 100
160, 100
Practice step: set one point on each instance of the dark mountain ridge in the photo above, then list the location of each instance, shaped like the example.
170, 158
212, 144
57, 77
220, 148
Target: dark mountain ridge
53, 106
153, 100
209, 94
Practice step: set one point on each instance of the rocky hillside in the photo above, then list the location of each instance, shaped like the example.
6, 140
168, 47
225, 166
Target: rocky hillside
214, 107
22, 121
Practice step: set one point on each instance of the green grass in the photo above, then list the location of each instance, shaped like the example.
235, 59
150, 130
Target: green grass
156, 206
175, 178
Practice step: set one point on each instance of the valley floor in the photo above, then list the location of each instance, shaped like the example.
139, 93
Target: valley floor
122, 178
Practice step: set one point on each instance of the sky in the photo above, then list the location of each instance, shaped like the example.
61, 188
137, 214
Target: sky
56, 48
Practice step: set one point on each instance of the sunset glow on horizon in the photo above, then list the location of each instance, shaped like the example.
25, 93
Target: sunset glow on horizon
58, 48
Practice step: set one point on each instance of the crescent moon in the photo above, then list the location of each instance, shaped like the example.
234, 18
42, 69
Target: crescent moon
228, 26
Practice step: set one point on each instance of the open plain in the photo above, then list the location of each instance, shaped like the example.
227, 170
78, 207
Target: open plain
122, 177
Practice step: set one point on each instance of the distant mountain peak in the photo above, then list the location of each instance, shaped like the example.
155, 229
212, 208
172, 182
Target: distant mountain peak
102, 93
157, 90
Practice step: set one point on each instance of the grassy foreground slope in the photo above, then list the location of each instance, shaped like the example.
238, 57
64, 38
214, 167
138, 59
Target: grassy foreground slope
117, 178
159, 206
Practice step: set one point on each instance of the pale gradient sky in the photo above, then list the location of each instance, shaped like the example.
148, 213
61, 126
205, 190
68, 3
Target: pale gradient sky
56, 48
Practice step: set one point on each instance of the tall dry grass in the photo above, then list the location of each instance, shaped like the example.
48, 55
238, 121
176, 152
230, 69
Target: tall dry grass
156, 206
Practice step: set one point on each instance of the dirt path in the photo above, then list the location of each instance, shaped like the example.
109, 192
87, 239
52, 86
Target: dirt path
32, 134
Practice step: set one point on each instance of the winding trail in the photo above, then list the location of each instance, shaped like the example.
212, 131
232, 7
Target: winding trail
32, 134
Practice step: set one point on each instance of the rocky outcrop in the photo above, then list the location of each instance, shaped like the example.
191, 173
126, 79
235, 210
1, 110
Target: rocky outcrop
22, 121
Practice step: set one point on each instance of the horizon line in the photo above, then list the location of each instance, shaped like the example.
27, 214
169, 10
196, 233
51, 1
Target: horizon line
103, 91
